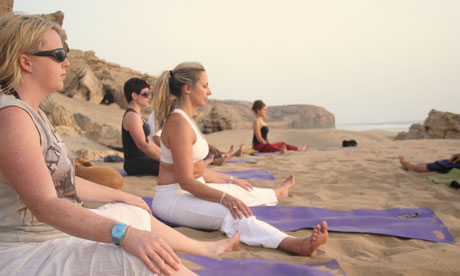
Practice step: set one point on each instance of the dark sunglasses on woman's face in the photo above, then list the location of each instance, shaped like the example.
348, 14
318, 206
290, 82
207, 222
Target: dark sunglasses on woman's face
58, 54
145, 94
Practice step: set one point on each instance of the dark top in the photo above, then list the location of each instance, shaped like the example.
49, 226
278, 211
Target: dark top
264, 132
130, 149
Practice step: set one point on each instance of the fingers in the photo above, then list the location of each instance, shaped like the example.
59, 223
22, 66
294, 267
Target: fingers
149, 264
451, 159
144, 206
164, 257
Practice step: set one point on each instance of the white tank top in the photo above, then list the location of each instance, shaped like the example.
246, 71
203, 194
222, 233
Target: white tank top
200, 148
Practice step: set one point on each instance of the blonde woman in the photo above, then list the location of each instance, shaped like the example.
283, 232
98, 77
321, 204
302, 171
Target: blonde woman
189, 194
43, 228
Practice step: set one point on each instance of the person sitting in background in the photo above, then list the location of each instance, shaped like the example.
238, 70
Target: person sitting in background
441, 166
189, 194
44, 230
260, 141
141, 153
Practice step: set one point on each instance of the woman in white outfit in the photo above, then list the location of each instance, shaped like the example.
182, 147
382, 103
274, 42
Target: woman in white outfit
191, 195
43, 228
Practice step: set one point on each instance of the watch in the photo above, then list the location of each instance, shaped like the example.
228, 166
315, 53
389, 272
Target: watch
118, 231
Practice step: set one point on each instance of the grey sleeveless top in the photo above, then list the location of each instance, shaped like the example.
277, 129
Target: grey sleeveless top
17, 223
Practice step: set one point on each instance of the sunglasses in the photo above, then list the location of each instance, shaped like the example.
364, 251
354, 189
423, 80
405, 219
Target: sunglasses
145, 94
58, 54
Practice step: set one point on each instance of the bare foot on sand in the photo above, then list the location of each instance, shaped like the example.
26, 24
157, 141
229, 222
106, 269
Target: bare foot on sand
303, 147
208, 160
240, 151
309, 246
288, 184
220, 161
411, 167
225, 245
283, 149
231, 151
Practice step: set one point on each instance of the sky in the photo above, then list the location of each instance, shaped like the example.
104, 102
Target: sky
362, 60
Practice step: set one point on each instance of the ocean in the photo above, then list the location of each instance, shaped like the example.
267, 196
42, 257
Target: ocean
388, 126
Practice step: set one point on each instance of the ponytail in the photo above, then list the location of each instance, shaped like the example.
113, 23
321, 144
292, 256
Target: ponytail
168, 88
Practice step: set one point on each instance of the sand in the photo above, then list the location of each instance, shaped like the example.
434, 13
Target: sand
368, 176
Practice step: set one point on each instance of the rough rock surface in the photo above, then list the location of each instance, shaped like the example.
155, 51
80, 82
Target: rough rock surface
88, 112
95, 80
238, 114
6, 6
438, 125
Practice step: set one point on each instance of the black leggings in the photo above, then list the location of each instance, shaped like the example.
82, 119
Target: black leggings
141, 165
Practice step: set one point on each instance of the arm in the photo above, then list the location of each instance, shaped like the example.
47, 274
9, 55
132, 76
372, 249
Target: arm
133, 123
256, 126
211, 176
179, 137
24, 167
155, 133
454, 159
156, 140
92, 192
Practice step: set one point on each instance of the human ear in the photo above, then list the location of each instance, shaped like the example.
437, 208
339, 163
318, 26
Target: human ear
187, 88
25, 63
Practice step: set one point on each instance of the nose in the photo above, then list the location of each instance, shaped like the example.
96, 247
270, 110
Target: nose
66, 63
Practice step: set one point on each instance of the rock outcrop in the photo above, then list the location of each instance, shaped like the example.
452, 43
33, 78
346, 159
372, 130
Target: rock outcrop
98, 81
88, 112
6, 6
239, 115
438, 125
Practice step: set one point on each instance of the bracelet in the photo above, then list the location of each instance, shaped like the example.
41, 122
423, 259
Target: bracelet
222, 197
230, 179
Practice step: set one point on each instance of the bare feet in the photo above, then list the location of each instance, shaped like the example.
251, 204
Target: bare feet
303, 147
240, 150
288, 184
230, 151
222, 160
225, 245
309, 246
283, 149
411, 167
208, 160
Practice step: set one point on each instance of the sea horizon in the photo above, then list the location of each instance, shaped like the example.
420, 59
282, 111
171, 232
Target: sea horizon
388, 126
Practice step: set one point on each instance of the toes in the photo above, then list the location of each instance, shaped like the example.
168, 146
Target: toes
323, 226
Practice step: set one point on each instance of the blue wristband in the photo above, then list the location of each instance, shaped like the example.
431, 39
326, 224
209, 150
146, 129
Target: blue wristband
118, 231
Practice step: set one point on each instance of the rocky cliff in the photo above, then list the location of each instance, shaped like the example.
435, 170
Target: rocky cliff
91, 106
6, 6
438, 125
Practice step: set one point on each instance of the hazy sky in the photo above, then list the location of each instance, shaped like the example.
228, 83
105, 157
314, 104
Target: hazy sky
363, 60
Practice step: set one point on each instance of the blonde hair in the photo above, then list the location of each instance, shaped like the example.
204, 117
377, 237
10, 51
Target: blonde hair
168, 88
20, 34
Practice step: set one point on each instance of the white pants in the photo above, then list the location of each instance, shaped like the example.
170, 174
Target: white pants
178, 206
75, 256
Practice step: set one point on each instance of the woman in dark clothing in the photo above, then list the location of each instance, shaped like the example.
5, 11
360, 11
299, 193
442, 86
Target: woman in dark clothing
142, 155
260, 141
441, 166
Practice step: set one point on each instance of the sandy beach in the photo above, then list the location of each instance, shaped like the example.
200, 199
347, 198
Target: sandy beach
368, 176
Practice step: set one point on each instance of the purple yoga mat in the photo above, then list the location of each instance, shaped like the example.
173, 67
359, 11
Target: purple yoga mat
242, 160
260, 267
415, 223
251, 174
264, 153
